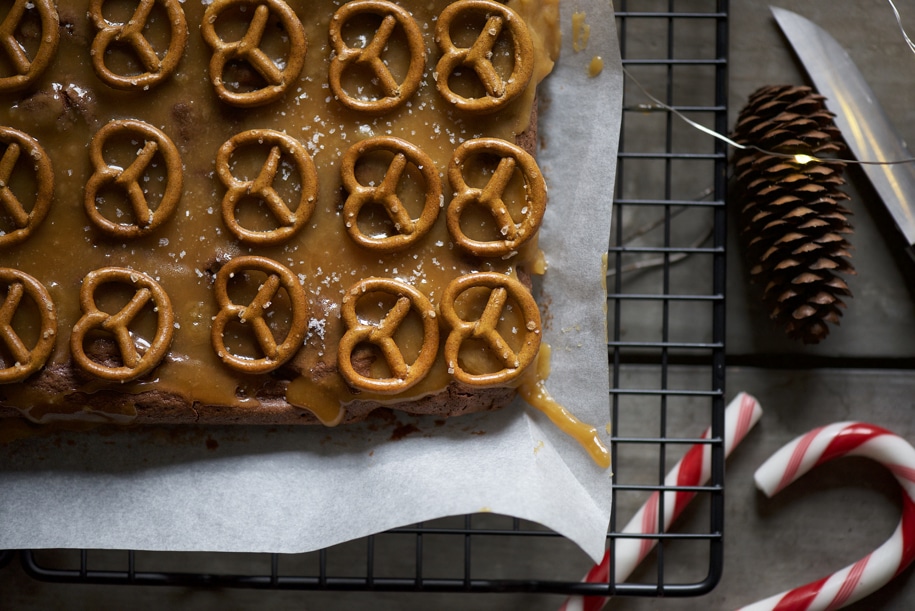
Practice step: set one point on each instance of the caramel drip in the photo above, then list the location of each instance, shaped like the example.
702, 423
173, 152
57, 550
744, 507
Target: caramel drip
533, 391
321, 401
43, 414
581, 32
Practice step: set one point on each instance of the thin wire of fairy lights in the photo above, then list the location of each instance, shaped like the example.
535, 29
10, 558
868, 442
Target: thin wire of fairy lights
799, 158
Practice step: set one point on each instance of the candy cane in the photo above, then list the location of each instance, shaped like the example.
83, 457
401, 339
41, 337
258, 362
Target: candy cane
875, 570
694, 469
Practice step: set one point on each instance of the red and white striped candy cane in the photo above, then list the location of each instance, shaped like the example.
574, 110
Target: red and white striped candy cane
872, 572
694, 469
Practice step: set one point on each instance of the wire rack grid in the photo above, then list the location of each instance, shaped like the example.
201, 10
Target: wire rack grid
666, 270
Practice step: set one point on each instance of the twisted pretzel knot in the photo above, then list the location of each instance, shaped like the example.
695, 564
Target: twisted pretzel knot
253, 314
395, 94
128, 179
134, 363
492, 196
478, 56
278, 75
403, 375
22, 146
131, 33
409, 230
262, 186
485, 328
26, 361
27, 70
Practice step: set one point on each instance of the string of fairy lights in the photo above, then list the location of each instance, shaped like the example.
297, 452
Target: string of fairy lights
797, 157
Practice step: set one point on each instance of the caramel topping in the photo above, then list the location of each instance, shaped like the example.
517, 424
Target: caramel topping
408, 230
492, 196
382, 334
154, 142
485, 329
20, 149
28, 70
394, 93
499, 90
581, 32
25, 360
262, 187
134, 363
191, 255
533, 391
254, 314
278, 74
131, 34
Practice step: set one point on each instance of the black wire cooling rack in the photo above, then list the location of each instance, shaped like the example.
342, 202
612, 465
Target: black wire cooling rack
666, 273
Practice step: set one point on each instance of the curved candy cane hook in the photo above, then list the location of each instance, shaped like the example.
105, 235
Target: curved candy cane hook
876, 569
694, 469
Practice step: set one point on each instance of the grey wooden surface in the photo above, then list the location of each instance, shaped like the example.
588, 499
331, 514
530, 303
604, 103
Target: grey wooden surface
862, 372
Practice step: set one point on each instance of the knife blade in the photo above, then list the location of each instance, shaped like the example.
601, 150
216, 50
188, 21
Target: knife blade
868, 131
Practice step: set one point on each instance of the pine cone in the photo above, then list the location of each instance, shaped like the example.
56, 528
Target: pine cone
791, 221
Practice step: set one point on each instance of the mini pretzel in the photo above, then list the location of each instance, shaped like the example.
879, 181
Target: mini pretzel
404, 375
492, 196
385, 194
26, 361
131, 34
253, 314
485, 329
395, 94
478, 56
278, 74
134, 363
27, 70
21, 146
262, 186
129, 179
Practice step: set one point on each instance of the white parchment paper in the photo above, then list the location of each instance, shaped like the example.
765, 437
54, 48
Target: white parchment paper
296, 489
